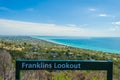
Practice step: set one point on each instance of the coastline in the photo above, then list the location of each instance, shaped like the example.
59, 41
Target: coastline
81, 46
44, 52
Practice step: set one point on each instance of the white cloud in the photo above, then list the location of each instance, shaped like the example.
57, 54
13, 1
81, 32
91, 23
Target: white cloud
71, 25
13, 27
117, 23
115, 28
103, 15
83, 25
28, 28
107, 15
92, 9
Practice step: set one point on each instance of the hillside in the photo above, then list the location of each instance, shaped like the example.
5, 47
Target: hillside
25, 47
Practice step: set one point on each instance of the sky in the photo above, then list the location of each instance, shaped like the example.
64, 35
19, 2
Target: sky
96, 18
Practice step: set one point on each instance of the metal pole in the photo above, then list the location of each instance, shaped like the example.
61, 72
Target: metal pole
17, 75
110, 72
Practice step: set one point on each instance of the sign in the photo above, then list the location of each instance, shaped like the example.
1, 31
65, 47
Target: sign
64, 65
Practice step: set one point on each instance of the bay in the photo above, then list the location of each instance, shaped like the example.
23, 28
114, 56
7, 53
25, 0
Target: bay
104, 44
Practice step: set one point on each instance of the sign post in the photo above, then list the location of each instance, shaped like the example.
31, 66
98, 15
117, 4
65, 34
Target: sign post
64, 65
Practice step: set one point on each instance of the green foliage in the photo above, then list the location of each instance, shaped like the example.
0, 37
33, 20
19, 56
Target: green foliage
61, 77
17, 54
1, 78
94, 78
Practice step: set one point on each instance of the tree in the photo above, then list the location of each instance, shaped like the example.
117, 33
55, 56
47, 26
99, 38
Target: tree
5, 64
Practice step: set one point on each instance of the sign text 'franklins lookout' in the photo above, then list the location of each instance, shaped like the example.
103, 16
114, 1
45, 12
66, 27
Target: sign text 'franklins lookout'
43, 65
61, 65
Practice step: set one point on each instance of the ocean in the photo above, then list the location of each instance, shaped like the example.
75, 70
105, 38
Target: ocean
104, 44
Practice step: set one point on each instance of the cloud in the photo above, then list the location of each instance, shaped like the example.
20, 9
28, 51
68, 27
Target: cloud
13, 27
107, 15
117, 23
92, 9
103, 15
71, 25
115, 28
28, 28
5, 9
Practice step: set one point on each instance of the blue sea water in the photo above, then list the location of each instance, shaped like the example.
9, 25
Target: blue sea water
105, 44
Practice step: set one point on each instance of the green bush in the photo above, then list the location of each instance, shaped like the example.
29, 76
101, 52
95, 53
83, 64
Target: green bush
94, 78
1, 78
61, 77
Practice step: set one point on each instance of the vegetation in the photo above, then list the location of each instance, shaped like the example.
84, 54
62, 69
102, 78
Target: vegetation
24, 47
